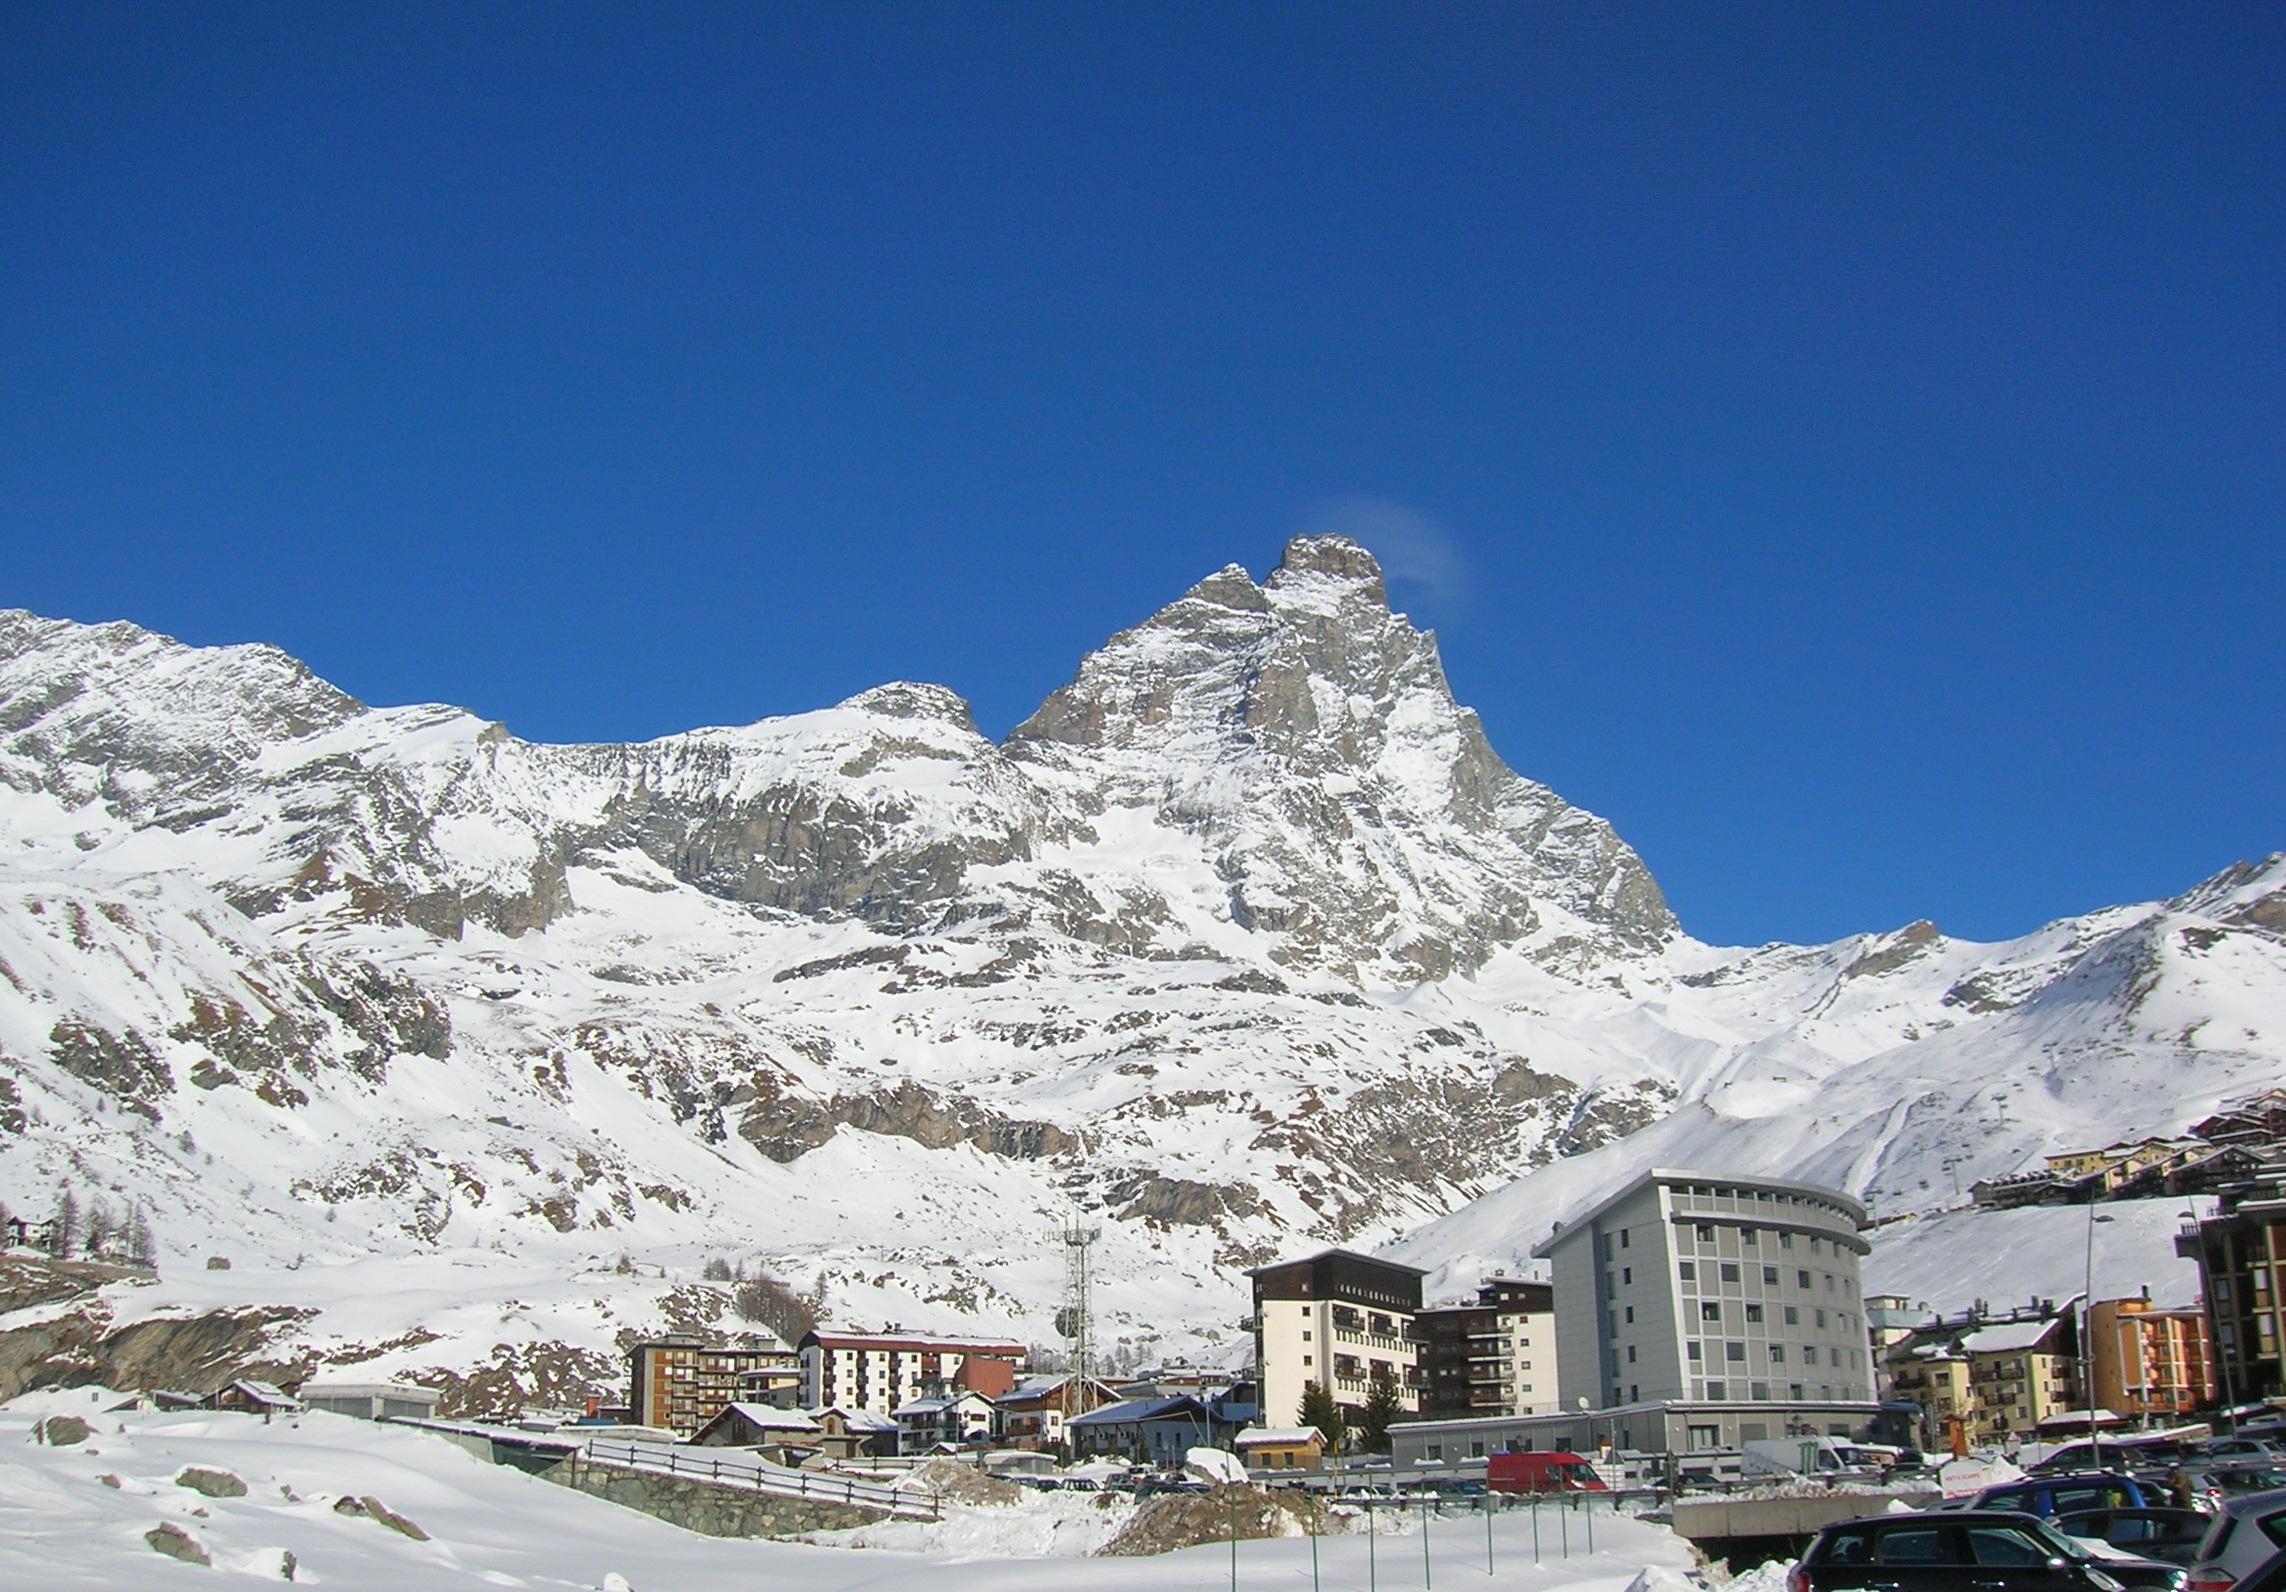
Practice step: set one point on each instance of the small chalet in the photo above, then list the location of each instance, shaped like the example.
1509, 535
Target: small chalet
15, 1232
1156, 1430
252, 1398
953, 1418
758, 1426
854, 1434
1281, 1447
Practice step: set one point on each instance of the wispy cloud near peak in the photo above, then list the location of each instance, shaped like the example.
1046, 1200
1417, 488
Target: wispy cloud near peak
1414, 550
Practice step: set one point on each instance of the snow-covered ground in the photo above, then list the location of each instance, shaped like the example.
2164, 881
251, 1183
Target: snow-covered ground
63, 1525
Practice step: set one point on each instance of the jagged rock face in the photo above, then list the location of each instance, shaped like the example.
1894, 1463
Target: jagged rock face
1297, 740
1353, 812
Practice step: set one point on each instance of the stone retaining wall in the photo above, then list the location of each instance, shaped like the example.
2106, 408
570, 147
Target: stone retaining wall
711, 1509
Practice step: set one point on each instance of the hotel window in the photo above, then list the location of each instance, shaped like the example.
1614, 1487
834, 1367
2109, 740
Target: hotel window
1686, 1271
1770, 1276
1709, 1310
1754, 1312
1730, 1271
1706, 1232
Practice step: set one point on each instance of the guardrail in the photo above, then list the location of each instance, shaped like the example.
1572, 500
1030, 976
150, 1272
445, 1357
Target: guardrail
732, 1468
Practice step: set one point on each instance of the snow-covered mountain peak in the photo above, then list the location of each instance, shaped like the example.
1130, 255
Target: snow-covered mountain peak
907, 699
1247, 940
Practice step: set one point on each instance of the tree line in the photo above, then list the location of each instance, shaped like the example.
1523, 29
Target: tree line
95, 1231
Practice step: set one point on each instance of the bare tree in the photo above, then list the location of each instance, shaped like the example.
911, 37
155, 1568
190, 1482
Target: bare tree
63, 1229
767, 1302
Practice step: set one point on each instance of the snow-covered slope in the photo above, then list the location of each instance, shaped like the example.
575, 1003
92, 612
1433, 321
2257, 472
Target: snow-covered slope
1246, 940
82, 1516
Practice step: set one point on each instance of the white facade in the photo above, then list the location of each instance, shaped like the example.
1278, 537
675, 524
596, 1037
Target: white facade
1339, 1320
1707, 1288
879, 1371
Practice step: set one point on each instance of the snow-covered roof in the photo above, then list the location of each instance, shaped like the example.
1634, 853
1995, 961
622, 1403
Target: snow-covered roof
936, 1404
1143, 1410
855, 1420
769, 1418
920, 1342
412, 1391
1279, 1437
261, 1392
2008, 1336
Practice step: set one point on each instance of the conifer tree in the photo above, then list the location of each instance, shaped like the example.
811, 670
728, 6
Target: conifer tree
1382, 1405
1320, 1410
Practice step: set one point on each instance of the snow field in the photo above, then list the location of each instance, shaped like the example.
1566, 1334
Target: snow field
62, 1527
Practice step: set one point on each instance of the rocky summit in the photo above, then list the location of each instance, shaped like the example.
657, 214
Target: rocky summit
465, 1054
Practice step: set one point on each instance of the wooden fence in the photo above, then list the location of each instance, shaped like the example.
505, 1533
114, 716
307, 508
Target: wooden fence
729, 1467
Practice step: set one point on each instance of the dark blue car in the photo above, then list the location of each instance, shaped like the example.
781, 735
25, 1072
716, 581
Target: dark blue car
2050, 1496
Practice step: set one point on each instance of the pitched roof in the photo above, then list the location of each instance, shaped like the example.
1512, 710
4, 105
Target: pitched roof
1279, 1437
937, 1404
261, 1392
1130, 1410
855, 1420
2008, 1336
768, 1417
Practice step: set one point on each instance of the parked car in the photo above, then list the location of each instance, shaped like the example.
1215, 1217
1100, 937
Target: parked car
2048, 1496
2268, 1576
2244, 1532
1992, 1550
2083, 1456
2237, 1476
2170, 1534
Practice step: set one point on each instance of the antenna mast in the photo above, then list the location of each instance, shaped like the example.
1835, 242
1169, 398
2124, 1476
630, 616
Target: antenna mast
1074, 1323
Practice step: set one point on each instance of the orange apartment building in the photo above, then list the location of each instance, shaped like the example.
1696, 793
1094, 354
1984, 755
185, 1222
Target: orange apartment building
2149, 1361
682, 1381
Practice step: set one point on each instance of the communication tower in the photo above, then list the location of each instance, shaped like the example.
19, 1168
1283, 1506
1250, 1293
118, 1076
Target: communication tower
1074, 1323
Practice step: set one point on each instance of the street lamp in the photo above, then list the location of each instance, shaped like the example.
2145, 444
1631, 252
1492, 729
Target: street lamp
2087, 1331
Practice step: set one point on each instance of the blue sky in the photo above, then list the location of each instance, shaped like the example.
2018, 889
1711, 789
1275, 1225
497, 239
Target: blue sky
1843, 445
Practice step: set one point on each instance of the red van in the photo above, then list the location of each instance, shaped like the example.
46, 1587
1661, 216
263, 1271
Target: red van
1555, 1471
